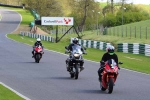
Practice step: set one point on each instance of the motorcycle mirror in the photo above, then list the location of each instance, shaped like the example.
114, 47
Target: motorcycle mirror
120, 62
102, 61
65, 47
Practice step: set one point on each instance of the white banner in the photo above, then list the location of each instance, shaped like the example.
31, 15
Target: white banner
57, 21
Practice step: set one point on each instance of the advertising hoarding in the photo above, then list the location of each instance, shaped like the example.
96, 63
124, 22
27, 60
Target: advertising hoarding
57, 21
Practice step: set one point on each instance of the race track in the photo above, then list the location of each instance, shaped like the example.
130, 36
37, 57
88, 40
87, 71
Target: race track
49, 79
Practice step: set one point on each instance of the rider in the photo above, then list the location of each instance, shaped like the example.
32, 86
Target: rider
38, 42
108, 55
75, 42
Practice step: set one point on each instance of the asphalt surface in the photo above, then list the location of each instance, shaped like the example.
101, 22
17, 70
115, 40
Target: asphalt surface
49, 80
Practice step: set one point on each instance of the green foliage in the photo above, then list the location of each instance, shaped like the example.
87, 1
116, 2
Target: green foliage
45, 7
110, 20
129, 15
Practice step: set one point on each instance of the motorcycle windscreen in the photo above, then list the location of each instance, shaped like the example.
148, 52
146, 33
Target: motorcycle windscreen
112, 63
76, 49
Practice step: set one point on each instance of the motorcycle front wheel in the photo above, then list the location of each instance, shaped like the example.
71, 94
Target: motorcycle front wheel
37, 58
76, 71
110, 85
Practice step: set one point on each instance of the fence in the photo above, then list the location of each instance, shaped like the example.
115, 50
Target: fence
92, 44
62, 29
119, 31
134, 48
42, 37
130, 31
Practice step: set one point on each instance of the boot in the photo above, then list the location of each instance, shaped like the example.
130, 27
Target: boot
100, 78
81, 68
67, 66
33, 56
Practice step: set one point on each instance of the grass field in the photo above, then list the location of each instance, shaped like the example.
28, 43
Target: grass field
6, 94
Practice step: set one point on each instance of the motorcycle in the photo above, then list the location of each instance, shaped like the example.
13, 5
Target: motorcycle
38, 51
109, 75
74, 60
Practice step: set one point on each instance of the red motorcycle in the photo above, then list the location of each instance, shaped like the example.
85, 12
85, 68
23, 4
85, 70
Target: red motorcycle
109, 75
38, 51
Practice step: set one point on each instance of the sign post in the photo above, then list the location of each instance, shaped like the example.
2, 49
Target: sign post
69, 21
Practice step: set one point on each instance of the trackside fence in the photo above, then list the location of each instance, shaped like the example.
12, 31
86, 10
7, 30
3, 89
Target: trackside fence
42, 37
134, 48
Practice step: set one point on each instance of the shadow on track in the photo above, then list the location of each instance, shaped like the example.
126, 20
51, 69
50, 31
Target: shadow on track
98, 91
66, 78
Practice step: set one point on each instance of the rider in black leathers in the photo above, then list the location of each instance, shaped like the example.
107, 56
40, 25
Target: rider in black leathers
69, 48
38, 42
108, 55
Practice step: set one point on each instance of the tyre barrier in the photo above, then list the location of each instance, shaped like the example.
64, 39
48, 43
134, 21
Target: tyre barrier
42, 37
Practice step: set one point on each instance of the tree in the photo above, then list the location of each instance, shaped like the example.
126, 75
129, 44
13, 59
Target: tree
81, 9
45, 7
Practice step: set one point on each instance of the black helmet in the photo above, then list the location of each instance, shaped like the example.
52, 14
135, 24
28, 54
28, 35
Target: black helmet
111, 50
75, 40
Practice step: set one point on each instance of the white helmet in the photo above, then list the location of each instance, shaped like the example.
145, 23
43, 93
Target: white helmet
108, 46
38, 39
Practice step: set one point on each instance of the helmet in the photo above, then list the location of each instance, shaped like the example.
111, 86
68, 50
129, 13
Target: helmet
38, 40
75, 40
111, 49
108, 46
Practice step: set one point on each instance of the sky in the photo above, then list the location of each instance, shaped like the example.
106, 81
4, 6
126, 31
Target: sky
130, 1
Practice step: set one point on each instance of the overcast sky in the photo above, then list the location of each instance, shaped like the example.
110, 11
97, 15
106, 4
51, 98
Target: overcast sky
129, 1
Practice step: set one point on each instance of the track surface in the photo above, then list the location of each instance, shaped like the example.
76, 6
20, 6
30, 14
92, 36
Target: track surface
49, 79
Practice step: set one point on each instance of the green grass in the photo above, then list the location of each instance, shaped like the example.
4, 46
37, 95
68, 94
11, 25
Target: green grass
26, 15
137, 30
131, 61
6, 94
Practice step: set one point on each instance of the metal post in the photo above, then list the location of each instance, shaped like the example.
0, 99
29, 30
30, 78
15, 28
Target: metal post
56, 33
97, 22
122, 19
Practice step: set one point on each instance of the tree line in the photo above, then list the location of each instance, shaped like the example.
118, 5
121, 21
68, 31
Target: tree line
87, 12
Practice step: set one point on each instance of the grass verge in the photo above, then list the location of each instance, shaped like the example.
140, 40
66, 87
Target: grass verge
6, 94
131, 61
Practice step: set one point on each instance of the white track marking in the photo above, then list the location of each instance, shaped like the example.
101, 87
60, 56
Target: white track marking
19, 94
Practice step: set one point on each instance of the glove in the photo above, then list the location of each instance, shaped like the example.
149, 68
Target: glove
84, 53
66, 51
118, 67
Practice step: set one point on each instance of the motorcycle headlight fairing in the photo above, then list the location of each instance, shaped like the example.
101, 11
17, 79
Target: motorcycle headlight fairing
76, 55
